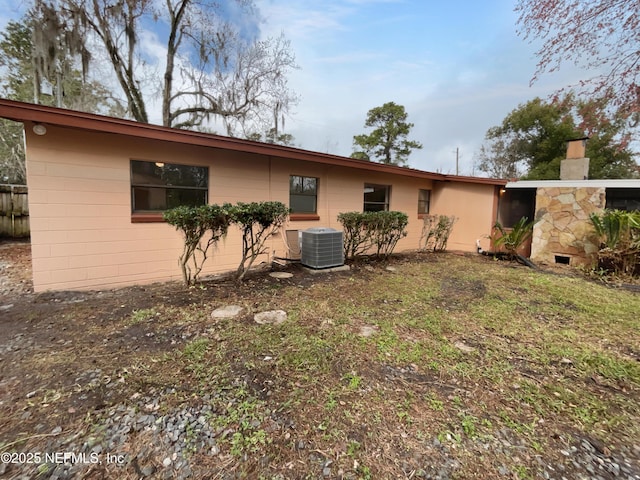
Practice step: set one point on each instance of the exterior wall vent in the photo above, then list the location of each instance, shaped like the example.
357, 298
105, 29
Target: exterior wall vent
321, 248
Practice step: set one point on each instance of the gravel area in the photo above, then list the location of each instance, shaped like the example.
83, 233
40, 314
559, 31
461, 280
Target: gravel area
148, 437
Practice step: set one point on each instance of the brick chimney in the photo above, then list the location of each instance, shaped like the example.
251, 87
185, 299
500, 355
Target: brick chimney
576, 165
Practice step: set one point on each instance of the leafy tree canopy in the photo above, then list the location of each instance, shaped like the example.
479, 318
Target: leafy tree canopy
532, 140
23, 73
388, 141
274, 137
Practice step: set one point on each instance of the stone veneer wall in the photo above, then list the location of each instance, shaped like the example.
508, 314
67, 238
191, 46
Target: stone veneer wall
562, 224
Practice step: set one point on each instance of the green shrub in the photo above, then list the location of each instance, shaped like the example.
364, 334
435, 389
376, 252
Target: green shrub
364, 230
257, 221
194, 223
387, 228
356, 237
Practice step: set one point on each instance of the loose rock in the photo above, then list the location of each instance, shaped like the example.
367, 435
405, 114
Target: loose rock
270, 317
281, 274
368, 330
464, 347
229, 311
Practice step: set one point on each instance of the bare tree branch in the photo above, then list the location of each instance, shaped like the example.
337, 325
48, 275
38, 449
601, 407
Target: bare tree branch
596, 35
213, 67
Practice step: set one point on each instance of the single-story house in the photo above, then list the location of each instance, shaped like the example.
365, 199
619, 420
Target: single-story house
98, 186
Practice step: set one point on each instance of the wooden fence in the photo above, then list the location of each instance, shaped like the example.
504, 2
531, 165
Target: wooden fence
14, 211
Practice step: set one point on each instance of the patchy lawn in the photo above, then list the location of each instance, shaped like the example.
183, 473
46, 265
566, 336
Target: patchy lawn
425, 366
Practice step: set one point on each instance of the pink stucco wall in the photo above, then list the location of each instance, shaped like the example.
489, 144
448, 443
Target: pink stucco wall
79, 197
475, 207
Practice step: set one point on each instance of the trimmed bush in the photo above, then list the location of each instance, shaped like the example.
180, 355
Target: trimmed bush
257, 221
363, 231
387, 228
356, 237
194, 223
203, 226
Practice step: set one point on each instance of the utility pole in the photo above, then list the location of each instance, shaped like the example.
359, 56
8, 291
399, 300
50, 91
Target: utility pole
457, 160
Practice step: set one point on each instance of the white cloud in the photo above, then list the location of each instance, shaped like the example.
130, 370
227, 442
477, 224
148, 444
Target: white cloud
458, 72
301, 21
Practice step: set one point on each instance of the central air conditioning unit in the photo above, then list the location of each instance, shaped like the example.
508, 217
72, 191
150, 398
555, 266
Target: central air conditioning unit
321, 248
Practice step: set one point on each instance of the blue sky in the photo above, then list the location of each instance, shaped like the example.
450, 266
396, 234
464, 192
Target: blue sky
457, 66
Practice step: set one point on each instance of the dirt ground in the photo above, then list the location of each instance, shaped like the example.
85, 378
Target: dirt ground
15, 269
42, 319
87, 325
70, 333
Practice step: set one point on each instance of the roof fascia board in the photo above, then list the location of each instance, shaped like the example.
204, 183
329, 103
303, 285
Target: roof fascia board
28, 112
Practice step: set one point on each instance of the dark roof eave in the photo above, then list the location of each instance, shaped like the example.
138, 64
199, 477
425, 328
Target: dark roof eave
499, 182
27, 112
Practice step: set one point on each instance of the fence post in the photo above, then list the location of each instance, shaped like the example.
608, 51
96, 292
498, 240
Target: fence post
14, 211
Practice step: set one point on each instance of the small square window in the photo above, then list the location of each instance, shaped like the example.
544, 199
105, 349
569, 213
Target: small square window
376, 197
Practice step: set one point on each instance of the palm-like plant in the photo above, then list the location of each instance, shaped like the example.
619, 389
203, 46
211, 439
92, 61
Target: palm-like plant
619, 235
512, 239
617, 228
